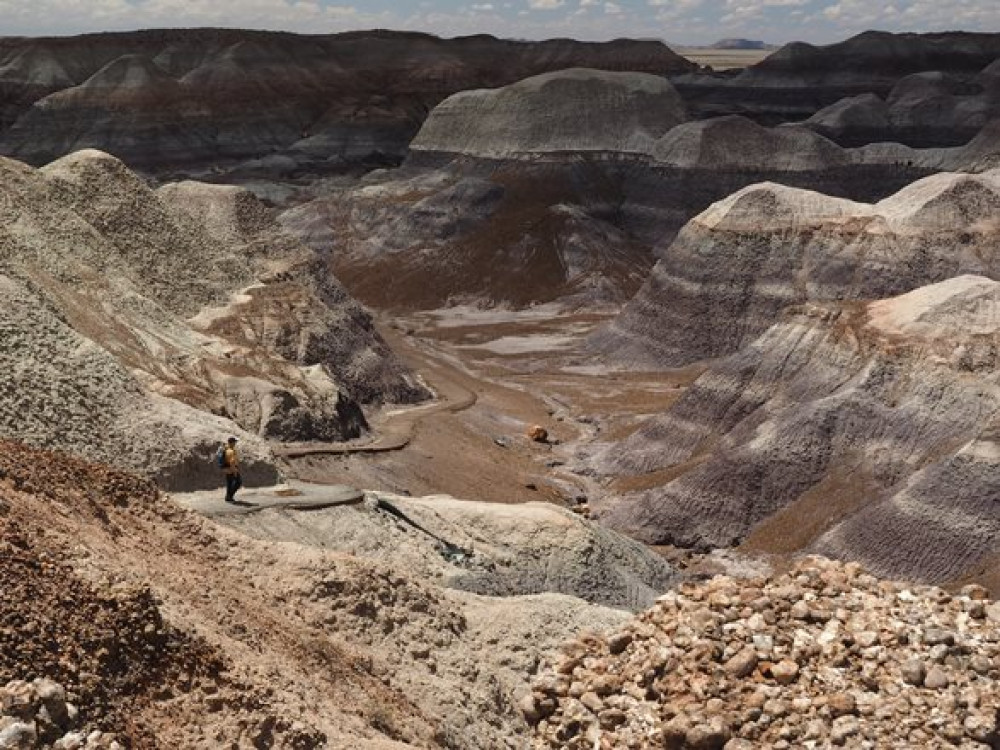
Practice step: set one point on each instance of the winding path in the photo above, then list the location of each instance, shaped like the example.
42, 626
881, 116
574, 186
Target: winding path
394, 429
294, 496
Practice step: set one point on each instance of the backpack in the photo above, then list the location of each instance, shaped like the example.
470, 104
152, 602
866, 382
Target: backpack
220, 457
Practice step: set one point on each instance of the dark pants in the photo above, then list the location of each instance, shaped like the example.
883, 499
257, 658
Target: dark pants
233, 483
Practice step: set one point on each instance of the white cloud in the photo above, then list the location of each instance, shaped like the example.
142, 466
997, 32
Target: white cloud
684, 21
75, 16
677, 5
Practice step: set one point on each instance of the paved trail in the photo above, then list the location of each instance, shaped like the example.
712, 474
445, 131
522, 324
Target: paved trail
394, 429
294, 495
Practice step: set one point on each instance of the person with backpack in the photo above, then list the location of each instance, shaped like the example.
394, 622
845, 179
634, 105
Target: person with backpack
229, 462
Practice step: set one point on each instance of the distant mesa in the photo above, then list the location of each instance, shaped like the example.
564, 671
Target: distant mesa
883, 55
740, 44
798, 80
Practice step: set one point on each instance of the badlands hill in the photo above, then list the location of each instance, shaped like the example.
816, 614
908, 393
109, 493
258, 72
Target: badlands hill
927, 109
867, 431
575, 110
735, 267
142, 326
561, 186
193, 97
799, 79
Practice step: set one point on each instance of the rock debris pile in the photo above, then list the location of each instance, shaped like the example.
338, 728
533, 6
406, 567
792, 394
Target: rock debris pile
824, 655
37, 714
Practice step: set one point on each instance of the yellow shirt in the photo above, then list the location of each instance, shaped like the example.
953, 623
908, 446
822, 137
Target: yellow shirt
232, 461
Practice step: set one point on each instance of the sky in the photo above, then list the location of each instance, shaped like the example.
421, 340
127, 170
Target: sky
675, 21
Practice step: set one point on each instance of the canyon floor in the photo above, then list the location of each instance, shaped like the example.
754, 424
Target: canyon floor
496, 374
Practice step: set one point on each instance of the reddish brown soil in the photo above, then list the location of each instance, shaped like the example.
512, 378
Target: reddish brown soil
482, 451
165, 630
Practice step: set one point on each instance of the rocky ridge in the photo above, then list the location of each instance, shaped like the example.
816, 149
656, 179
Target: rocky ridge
190, 98
142, 326
822, 656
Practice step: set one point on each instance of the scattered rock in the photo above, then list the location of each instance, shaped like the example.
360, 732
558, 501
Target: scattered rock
538, 433
689, 672
936, 679
785, 671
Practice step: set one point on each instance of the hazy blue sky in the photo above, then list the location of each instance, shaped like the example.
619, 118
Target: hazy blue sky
682, 21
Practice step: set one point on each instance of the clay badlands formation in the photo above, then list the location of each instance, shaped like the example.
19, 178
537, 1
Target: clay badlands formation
185, 98
767, 334
139, 325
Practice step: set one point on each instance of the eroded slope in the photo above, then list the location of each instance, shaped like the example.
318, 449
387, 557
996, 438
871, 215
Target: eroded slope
176, 632
143, 326
867, 431
734, 267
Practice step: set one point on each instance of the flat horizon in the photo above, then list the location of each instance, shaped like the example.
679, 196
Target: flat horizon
685, 23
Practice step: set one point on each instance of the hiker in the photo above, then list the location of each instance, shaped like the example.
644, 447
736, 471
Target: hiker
231, 465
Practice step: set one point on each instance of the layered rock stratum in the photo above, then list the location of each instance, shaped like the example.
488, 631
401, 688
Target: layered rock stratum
734, 267
577, 110
142, 326
188, 98
562, 187
867, 431
825, 655
800, 79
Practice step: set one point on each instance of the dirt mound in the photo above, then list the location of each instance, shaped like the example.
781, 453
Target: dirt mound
784, 246
823, 655
135, 318
736, 143
840, 428
485, 548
